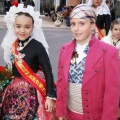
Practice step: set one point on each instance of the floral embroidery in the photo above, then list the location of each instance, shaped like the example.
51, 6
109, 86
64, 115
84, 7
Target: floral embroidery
20, 101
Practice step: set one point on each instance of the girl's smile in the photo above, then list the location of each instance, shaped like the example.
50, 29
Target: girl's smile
23, 29
82, 30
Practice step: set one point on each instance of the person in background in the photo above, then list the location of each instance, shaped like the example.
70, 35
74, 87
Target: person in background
116, 9
25, 3
59, 8
108, 2
31, 93
47, 11
66, 14
102, 11
88, 70
14, 3
30, 2
64, 8
52, 8
112, 13
7, 5
110, 6
53, 13
71, 8
114, 39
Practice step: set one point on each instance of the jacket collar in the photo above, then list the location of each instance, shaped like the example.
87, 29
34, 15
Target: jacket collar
92, 58
92, 63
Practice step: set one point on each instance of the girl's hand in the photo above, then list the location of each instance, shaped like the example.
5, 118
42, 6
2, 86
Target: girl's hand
62, 118
49, 105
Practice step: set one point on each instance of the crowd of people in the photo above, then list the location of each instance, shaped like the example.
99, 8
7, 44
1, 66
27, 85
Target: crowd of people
105, 10
88, 85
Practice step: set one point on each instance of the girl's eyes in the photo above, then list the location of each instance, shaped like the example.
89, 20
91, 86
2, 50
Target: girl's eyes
80, 24
72, 24
115, 29
17, 26
27, 27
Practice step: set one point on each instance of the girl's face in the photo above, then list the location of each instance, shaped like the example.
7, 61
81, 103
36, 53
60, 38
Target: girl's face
116, 31
23, 27
97, 3
82, 30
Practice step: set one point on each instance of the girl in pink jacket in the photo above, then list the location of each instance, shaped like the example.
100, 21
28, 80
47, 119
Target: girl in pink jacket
88, 72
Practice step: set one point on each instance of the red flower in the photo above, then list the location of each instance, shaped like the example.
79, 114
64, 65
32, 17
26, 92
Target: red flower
5, 73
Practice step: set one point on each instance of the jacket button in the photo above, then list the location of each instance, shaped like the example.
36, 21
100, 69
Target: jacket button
96, 71
62, 67
103, 50
86, 93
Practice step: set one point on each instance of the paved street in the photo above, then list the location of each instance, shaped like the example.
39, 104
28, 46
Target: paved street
55, 38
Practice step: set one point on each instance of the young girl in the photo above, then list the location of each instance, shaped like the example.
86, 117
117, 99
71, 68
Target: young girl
88, 72
28, 96
114, 37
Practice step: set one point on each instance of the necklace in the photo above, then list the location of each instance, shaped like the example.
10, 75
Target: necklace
21, 44
74, 56
114, 42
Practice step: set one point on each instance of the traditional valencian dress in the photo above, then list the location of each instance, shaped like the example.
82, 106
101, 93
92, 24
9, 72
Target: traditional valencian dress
25, 96
76, 71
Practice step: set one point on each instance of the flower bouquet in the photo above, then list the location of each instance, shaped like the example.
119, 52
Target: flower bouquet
5, 77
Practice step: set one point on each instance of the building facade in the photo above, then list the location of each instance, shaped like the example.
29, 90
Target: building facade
40, 4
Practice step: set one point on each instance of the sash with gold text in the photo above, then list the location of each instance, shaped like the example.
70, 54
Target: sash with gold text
28, 73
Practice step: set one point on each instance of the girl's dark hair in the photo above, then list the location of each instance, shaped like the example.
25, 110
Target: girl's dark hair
115, 22
26, 14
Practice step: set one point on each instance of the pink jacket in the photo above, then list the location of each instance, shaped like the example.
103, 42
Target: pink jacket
100, 86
